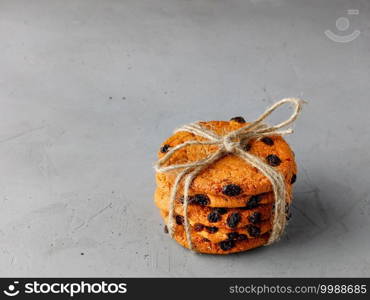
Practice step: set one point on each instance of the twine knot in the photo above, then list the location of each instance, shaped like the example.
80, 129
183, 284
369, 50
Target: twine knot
231, 143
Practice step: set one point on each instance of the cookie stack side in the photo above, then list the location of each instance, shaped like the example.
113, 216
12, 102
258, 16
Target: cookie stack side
230, 202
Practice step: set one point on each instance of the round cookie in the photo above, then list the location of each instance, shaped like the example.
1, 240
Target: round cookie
161, 197
230, 170
250, 232
217, 234
203, 245
221, 217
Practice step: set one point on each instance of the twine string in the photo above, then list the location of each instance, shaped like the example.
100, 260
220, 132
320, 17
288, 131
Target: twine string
230, 144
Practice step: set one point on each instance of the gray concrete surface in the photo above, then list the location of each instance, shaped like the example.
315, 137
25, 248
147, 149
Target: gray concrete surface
89, 89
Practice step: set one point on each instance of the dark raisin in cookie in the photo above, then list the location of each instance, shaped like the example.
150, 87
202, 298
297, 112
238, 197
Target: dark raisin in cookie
267, 141
238, 119
179, 220
253, 202
294, 179
233, 220
165, 148
255, 218
227, 245
231, 190
211, 229
253, 231
214, 217
273, 160
198, 227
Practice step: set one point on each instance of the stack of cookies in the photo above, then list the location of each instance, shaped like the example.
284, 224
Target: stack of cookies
231, 203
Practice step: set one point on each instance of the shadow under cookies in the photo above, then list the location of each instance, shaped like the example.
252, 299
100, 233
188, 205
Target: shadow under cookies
319, 214
319, 209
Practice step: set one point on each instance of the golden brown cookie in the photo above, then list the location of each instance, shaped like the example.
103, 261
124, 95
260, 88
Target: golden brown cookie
249, 231
203, 245
161, 197
223, 217
217, 234
230, 176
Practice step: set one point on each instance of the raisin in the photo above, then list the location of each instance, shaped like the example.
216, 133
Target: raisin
231, 190
233, 220
255, 218
221, 210
253, 231
253, 202
294, 179
267, 141
211, 229
273, 160
198, 227
200, 199
247, 147
238, 119
179, 220
232, 235
227, 245
165, 229
242, 237
165, 148
213, 217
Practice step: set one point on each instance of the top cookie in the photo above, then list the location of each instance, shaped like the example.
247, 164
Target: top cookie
230, 176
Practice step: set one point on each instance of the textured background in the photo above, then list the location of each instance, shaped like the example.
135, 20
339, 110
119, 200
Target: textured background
89, 89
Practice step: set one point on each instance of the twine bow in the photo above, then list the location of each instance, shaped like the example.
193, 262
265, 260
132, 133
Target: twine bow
231, 143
